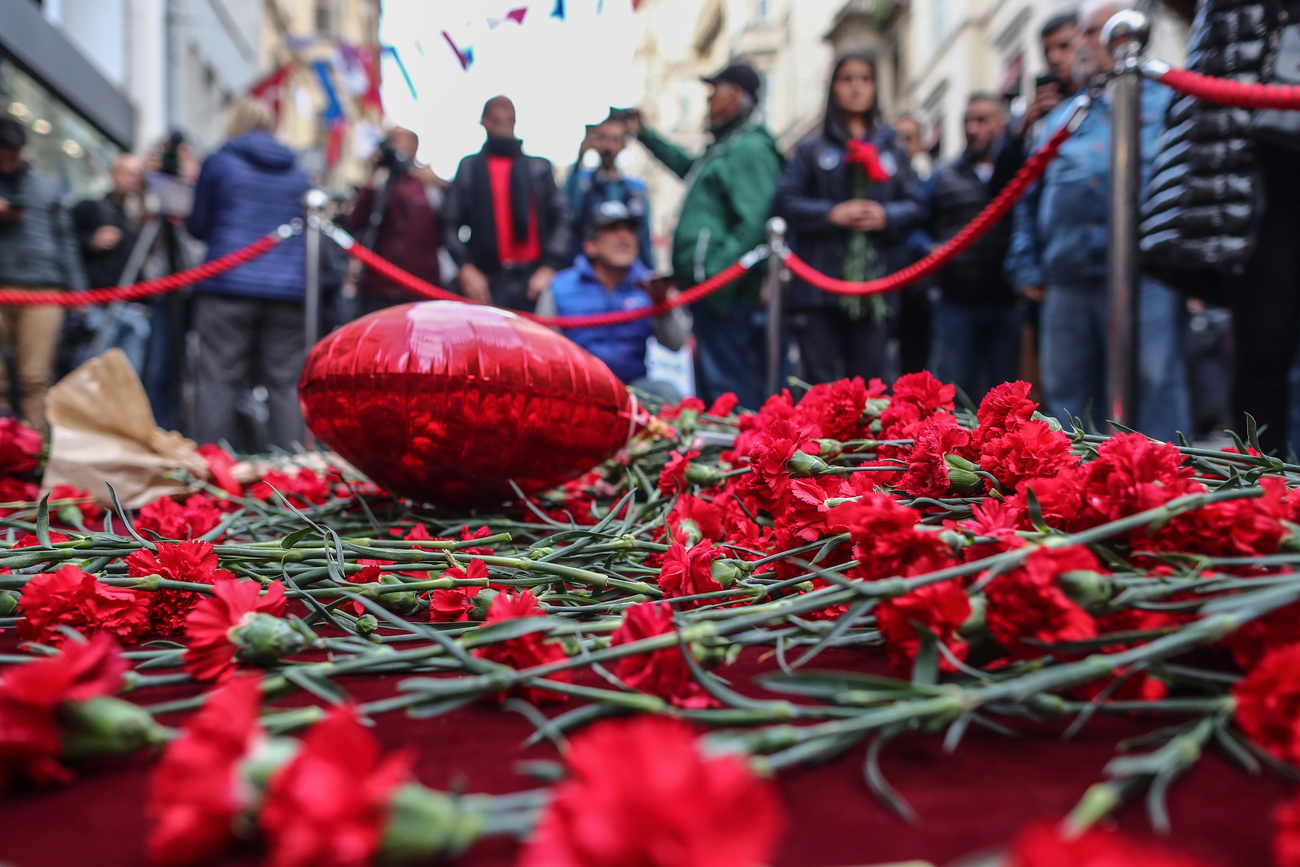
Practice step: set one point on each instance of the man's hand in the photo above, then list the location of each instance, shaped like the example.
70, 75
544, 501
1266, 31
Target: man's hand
860, 215
540, 282
1033, 293
634, 124
660, 289
474, 283
105, 238
1045, 99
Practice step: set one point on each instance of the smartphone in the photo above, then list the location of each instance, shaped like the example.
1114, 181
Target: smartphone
1045, 80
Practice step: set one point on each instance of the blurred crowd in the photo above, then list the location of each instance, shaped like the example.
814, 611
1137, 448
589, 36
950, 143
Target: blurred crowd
862, 196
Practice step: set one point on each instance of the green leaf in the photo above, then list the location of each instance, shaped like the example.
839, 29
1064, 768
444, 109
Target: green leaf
43, 522
428, 710
296, 536
925, 670
880, 786
315, 684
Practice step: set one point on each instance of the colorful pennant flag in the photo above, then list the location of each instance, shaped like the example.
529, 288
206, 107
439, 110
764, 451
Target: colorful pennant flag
401, 67
558, 11
333, 108
465, 57
271, 88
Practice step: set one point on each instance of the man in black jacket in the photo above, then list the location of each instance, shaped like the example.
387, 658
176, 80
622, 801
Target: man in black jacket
977, 319
505, 223
107, 227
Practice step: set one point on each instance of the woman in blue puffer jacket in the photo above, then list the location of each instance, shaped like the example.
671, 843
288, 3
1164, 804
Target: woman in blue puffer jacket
249, 320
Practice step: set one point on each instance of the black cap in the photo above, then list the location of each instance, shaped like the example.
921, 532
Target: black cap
611, 213
12, 133
742, 75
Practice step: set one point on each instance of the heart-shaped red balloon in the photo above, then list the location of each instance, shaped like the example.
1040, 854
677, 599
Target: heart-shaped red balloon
447, 403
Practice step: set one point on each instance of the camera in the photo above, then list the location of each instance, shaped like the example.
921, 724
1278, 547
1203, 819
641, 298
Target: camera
396, 161
17, 202
1045, 80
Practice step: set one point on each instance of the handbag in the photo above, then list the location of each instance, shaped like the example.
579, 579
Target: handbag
1273, 125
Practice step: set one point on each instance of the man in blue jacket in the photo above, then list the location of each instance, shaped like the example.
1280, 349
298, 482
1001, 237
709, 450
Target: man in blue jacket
1058, 255
609, 277
588, 189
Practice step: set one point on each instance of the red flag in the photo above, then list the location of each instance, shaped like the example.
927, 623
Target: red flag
465, 57
271, 88
517, 15
334, 146
370, 58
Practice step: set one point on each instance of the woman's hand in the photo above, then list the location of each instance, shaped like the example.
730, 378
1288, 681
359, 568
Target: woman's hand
860, 215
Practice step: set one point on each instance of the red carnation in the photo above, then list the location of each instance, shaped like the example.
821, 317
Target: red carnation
927, 467
31, 739
455, 603
688, 571
72, 598
1268, 703
1253, 641
83, 506
526, 651
20, 447
885, 539
1286, 841
1005, 408
171, 520
197, 792
18, 491
1132, 474
769, 456
860, 152
941, 608
329, 805
221, 466
672, 478
213, 650
661, 673
835, 409
1030, 451
1028, 603
305, 487
193, 562
724, 405
1046, 846
641, 794
692, 517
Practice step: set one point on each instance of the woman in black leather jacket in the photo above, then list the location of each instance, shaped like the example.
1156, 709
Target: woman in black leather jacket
1222, 214
826, 202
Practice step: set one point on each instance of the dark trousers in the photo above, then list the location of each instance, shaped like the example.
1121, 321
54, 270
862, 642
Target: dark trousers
915, 329
1266, 307
976, 344
729, 353
833, 345
245, 342
509, 287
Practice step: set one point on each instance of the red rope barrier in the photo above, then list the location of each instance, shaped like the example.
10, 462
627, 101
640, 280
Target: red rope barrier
1223, 91
426, 289
147, 288
997, 209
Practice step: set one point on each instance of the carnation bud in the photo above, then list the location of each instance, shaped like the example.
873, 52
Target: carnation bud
832, 502
366, 625
705, 475
1086, 588
424, 824
687, 419
405, 604
1052, 423
107, 726
830, 449
1290, 543
482, 602
973, 626
690, 532
8, 603
875, 406
728, 572
961, 474
803, 465
539, 553
954, 539
263, 639
639, 449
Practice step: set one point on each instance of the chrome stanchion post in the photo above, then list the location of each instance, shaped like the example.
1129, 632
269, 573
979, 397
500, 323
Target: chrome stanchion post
1126, 35
313, 205
776, 275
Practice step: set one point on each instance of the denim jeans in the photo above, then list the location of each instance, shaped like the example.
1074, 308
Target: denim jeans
1072, 347
976, 345
730, 353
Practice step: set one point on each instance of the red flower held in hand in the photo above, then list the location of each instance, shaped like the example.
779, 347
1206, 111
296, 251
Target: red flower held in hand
1046, 846
71, 598
940, 608
31, 739
689, 571
329, 805
20, 447
1028, 602
661, 673
860, 152
641, 794
171, 520
1268, 703
193, 562
237, 624
525, 651
197, 792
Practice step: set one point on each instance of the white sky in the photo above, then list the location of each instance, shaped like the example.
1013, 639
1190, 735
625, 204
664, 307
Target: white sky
560, 74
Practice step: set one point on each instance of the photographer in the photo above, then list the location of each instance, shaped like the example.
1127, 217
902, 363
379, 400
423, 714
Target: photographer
398, 219
38, 250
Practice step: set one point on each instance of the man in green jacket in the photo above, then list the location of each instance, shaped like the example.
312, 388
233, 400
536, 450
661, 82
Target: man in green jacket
724, 214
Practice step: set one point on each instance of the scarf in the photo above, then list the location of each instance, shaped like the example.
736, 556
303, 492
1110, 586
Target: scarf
521, 194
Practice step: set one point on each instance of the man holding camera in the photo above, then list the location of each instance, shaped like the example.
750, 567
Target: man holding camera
589, 189
38, 250
398, 219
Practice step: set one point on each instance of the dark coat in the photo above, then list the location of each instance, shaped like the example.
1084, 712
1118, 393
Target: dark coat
815, 180
246, 189
1201, 208
470, 209
409, 236
103, 267
957, 195
40, 249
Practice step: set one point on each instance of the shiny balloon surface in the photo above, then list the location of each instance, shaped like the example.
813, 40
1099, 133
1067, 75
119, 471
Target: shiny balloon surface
447, 403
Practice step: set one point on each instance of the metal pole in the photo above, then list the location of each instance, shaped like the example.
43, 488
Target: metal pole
313, 203
776, 229
1126, 35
